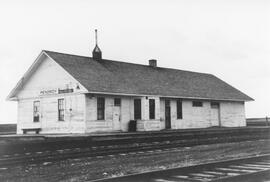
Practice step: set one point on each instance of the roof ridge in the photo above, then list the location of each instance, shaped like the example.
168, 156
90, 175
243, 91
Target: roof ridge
123, 62
66, 53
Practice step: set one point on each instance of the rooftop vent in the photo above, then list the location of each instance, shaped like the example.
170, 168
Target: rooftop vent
153, 62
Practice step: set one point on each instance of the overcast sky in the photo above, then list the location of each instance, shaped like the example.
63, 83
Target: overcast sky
230, 39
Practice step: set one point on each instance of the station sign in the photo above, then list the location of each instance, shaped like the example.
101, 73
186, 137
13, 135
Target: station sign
56, 91
48, 92
63, 91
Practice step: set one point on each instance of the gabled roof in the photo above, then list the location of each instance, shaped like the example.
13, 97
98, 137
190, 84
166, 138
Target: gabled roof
107, 76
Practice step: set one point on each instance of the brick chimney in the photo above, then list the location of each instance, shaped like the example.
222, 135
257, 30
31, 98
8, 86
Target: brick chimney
153, 62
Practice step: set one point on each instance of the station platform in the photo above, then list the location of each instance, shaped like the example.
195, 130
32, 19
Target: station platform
184, 137
118, 134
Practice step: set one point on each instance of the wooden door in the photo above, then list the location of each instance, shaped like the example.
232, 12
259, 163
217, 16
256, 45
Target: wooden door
116, 118
215, 114
167, 114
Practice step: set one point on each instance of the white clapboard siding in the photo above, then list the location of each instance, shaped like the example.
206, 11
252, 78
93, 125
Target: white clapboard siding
51, 76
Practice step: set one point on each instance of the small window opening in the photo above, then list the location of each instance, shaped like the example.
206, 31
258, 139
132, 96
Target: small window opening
117, 102
197, 104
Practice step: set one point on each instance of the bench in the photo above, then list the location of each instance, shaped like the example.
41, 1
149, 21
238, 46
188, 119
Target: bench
25, 130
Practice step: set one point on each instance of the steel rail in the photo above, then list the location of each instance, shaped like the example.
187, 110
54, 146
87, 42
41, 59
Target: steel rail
106, 150
203, 172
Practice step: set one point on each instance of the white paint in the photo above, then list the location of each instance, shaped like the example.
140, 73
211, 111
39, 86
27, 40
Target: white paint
215, 118
116, 118
49, 75
80, 109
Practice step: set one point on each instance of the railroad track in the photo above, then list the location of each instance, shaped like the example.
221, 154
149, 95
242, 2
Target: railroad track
91, 151
26, 144
225, 171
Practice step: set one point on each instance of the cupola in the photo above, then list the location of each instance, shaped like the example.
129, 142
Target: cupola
96, 53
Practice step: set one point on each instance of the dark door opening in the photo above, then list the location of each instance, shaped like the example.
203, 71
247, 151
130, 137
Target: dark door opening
137, 109
167, 114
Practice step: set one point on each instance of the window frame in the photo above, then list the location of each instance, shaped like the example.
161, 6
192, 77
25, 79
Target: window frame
137, 113
179, 109
116, 103
36, 110
152, 108
101, 108
61, 109
195, 104
214, 104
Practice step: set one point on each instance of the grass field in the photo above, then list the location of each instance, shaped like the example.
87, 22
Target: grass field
8, 128
258, 121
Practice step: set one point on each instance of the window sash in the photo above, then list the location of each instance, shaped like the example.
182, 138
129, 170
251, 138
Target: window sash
36, 111
137, 109
100, 108
151, 108
61, 113
179, 109
214, 105
197, 104
117, 102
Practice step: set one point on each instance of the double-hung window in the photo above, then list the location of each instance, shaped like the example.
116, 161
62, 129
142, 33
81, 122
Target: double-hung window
61, 110
36, 109
151, 108
137, 109
179, 109
100, 108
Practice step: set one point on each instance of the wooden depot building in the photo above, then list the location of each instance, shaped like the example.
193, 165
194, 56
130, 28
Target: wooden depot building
63, 93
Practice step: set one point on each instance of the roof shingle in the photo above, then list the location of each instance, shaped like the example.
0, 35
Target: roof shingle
128, 78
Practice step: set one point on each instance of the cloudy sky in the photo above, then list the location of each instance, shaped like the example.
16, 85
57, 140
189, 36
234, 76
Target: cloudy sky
229, 38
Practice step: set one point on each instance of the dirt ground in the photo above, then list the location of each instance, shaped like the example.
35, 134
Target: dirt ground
84, 169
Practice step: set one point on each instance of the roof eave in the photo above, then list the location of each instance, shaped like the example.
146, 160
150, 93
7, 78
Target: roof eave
12, 95
170, 96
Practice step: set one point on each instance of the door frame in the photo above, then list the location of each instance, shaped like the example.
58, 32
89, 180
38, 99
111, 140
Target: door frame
117, 126
167, 105
217, 107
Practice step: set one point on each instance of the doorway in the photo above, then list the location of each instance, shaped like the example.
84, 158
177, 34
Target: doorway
215, 114
117, 114
167, 114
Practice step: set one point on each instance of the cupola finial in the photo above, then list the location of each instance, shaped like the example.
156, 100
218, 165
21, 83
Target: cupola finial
96, 36
97, 54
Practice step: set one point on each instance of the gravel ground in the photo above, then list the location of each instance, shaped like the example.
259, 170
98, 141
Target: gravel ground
84, 169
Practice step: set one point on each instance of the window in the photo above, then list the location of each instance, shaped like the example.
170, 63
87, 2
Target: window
179, 109
36, 111
197, 104
214, 105
137, 108
152, 108
117, 102
100, 108
61, 109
